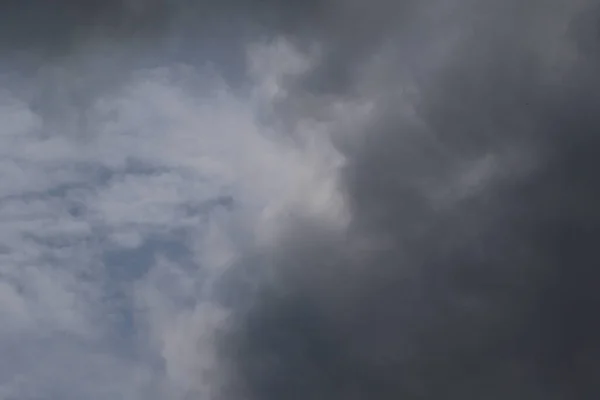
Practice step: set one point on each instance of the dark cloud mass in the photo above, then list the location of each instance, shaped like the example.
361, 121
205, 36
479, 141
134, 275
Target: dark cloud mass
61, 26
483, 292
478, 191
58, 25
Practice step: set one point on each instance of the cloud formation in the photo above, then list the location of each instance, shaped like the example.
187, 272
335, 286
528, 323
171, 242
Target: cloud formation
467, 270
329, 199
117, 214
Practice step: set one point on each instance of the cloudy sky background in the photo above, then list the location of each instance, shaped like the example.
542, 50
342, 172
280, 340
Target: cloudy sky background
339, 199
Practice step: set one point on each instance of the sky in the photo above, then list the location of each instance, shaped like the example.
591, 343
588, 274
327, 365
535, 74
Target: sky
328, 199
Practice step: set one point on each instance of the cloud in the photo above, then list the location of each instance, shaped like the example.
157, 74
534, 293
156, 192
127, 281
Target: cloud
331, 199
466, 267
118, 216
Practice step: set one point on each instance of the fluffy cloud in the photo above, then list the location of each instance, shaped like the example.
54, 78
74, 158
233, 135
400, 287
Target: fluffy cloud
115, 228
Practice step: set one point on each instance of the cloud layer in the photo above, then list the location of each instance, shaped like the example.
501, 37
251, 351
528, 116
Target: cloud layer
335, 199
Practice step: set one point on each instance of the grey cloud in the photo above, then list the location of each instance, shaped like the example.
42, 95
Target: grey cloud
70, 52
35, 31
488, 291
57, 26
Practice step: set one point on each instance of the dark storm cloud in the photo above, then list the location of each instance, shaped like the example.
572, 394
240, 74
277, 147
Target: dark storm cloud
60, 26
486, 293
121, 35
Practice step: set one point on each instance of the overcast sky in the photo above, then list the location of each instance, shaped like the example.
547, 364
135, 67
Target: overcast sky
326, 199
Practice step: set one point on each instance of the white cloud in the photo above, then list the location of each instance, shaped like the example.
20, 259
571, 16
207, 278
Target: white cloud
172, 154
